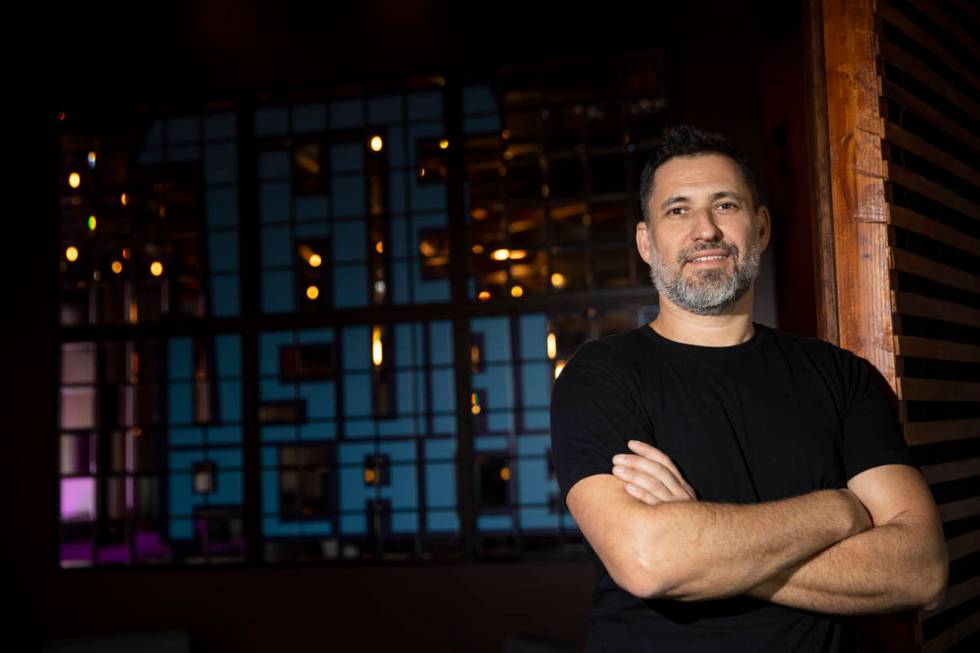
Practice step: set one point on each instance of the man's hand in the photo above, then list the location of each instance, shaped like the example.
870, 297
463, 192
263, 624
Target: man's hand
650, 476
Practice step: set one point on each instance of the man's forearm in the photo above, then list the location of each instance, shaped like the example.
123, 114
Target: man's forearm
879, 570
701, 550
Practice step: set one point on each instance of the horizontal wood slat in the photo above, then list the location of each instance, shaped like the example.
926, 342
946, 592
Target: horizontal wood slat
963, 545
909, 141
939, 16
956, 595
925, 267
937, 349
925, 73
951, 471
917, 433
937, 390
920, 224
953, 634
905, 177
930, 113
960, 509
911, 304
924, 39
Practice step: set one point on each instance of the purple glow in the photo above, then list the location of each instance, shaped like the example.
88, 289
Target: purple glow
77, 498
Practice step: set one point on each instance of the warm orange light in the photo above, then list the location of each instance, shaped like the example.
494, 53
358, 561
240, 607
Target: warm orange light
314, 260
505, 473
71, 253
134, 312
91, 159
505, 134
124, 199
477, 249
500, 254
518, 254
475, 409
552, 346
558, 280
369, 475
116, 267
559, 366
516, 291
545, 190
312, 292
421, 172
444, 144
376, 143
379, 247
74, 180
377, 350
126, 253
483, 295
479, 214
156, 268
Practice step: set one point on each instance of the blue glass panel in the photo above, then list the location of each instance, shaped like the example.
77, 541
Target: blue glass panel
440, 449
346, 113
494, 522
356, 342
311, 207
228, 488
443, 389
320, 528
407, 401
319, 230
403, 490
402, 451
271, 122
536, 384
319, 400
278, 433
395, 144
353, 524
230, 394
500, 421
179, 403
496, 337
405, 522
350, 286
404, 354
318, 336
440, 485
309, 117
272, 527
318, 431
359, 428
228, 353
273, 390
537, 420
396, 427
181, 529
183, 130
534, 336
270, 456
277, 292
537, 518
269, 344
491, 443
274, 201
481, 125
225, 458
441, 343
183, 461
430, 197
349, 241
385, 109
276, 246
222, 207
400, 281
442, 522
357, 394
419, 132
353, 454
270, 491
186, 436
496, 384
179, 358
220, 127
348, 196
225, 435
479, 98
223, 247
220, 163
425, 105
444, 424
347, 157
274, 165
224, 295
182, 498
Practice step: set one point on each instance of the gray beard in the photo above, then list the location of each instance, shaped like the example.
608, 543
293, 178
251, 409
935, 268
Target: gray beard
706, 292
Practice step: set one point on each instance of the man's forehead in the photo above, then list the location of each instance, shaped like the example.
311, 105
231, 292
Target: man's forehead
696, 172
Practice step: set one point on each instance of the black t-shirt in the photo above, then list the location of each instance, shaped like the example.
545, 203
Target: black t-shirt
773, 417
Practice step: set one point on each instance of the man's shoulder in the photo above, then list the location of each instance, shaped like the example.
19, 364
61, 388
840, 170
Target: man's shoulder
619, 349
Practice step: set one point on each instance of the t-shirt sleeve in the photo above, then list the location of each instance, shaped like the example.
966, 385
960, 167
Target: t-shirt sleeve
593, 415
870, 435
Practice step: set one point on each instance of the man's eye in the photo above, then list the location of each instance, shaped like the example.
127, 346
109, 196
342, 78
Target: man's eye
728, 206
677, 210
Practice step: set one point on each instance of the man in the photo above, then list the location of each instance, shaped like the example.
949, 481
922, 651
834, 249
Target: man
742, 488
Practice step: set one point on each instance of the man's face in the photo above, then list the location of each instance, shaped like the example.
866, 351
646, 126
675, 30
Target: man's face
704, 237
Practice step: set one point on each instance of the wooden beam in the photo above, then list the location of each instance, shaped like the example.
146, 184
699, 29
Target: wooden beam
955, 633
937, 309
960, 509
938, 15
931, 114
905, 177
956, 595
920, 224
909, 141
925, 267
936, 390
951, 471
917, 433
936, 349
963, 545
928, 76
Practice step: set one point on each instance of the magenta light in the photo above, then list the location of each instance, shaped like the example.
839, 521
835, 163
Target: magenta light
77, 498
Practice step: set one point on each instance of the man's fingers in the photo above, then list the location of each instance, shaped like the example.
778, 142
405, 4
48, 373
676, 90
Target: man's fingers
653, 478
652, 453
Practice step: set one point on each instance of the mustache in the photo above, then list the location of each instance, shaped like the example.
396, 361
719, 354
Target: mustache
685, 254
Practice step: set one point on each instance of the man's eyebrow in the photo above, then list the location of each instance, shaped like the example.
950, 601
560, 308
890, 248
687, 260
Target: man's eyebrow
674, 199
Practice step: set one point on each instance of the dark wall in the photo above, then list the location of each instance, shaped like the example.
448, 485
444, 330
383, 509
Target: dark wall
733, 66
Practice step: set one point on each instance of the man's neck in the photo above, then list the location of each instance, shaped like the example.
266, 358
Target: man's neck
679, 325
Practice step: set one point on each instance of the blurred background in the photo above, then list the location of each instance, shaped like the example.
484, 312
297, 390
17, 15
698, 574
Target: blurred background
299, 284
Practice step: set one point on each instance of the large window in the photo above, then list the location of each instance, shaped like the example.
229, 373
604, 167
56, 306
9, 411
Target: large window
325, 328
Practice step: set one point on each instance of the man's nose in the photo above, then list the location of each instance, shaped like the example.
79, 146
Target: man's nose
704, 226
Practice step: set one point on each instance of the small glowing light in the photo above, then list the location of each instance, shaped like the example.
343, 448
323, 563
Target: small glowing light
369, 475
116, 267
559, 366
126, 253
477, 249
505, 473
314, 260
444, 144
552, 346
545, 190
380, 287
475, 409
558, 280
517, 254
92, 222
421, 172
61, 116
124, 199
134, 312
91, 159
479, 214
97, 276
137, 432
312, 292
71, 253
156, 268
376, 143
484, 295
505, 134
74, 180
516, 291
377, 352
379, 247
500, 254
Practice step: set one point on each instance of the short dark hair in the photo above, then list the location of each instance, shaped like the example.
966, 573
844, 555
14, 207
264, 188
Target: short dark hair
685, 140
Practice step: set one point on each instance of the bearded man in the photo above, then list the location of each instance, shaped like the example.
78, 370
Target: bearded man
742, 489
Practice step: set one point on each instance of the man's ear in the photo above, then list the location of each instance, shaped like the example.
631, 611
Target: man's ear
764, 225
643, 241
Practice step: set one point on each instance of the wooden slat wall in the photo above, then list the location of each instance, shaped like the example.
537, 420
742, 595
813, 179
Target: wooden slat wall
902, 81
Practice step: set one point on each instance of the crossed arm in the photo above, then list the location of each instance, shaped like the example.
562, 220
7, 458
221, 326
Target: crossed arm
876, 546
